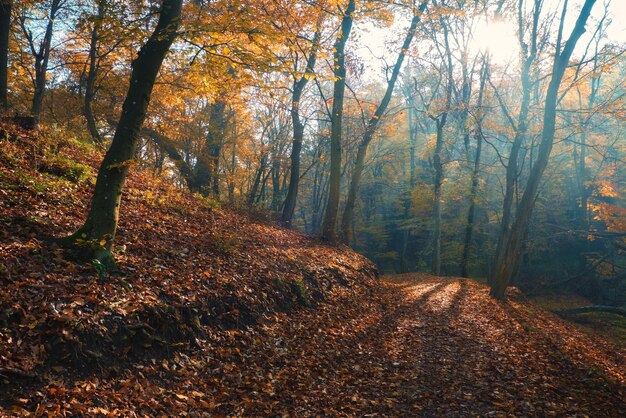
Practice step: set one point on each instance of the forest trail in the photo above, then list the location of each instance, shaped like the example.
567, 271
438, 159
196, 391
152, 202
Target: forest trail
430, 346
232, 316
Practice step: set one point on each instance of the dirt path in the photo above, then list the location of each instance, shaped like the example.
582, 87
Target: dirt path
426, 346
413, 346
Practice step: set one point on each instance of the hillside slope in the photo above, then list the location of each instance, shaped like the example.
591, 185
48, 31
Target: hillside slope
190, 274
215, 314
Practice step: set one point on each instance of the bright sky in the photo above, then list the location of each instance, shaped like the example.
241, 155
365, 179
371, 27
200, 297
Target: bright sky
499, 37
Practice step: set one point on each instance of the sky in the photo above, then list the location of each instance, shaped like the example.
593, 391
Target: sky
370, 41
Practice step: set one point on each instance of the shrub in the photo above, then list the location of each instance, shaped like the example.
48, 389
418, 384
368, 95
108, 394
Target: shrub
64, 167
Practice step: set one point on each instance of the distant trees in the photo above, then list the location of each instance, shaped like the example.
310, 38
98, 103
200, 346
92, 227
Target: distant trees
510, 137
370, 130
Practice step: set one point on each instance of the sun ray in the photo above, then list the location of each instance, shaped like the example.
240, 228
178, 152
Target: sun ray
497, 38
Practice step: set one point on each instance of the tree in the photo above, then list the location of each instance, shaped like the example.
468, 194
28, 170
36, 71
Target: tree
207, 180
5, 29
509, 261
370, 130
41, 54
440, 122
92, 74
298, 126
520, 126
478, 135
97, 234
339, 72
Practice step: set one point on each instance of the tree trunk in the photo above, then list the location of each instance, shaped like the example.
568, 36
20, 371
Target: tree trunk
404, 265
521, 127
97, 234
437, 157
90, 87
512, 252
583, 176
5, 29
438, 166
339, 64
346, 221
357, 172
262, 195
464, 100
315, 193
276, 192
168, 146
257, 181
207, 181
469, 230
320, 199
41, 63
298, 131
233, 168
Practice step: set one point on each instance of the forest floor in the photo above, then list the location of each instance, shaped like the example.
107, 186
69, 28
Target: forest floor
216, 313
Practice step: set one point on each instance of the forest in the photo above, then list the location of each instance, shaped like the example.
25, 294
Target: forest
312, 208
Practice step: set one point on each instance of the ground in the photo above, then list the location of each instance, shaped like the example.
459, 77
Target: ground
414, 345
427, 346
216, 313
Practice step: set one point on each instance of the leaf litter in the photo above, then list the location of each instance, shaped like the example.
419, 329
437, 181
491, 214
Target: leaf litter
215, 313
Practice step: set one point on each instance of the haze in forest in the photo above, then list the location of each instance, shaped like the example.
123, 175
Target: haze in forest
312, 208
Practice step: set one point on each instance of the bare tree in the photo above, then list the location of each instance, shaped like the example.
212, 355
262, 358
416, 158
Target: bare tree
298, 127
478, 135
92, 74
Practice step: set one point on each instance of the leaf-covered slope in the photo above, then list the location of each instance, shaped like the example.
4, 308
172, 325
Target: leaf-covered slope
188, 271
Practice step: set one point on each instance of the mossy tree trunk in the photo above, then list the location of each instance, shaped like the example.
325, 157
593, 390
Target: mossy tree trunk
96, 236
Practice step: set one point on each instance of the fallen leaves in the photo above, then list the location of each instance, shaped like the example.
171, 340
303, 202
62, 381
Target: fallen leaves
197, 325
